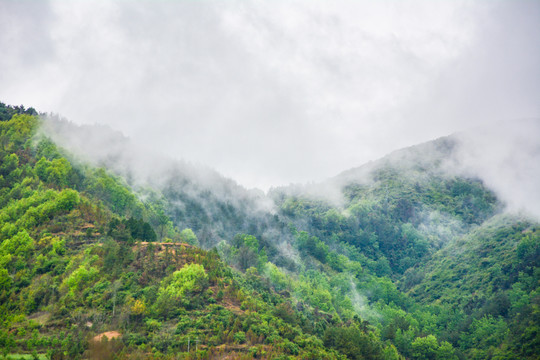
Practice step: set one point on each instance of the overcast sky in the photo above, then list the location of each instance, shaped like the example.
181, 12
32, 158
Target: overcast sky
274, 92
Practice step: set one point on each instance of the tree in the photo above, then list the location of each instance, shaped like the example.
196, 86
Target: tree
56, 172
427, 348
248, 253
192, 278
189, 237
354, 343
19, 245
67, 200
5, 280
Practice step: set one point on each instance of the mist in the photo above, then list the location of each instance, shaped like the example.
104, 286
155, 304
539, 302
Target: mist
506, 157
272, 93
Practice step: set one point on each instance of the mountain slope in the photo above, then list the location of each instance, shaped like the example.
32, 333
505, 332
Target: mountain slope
79, 261
410, 256
492, 276
464, 270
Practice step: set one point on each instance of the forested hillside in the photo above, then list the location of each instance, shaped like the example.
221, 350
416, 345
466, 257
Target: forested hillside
401, 258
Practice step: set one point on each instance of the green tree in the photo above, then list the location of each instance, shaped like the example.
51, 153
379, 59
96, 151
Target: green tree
354, 343
189, 237
5, 280
192, 278
19, 245
425, 348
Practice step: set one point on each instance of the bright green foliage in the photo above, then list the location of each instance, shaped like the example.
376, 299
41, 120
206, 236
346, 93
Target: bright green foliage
81, 276
280, 280
20, 245
14, 133
67, 200
428, 348
446, 351
425, 348
191, 278
56, 172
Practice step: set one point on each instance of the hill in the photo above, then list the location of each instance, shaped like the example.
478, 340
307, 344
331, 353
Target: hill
79, 260
410, 256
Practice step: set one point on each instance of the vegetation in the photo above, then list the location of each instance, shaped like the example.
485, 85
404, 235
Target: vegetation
410, 263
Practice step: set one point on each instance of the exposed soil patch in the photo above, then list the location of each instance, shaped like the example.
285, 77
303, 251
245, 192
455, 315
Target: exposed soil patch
109, 335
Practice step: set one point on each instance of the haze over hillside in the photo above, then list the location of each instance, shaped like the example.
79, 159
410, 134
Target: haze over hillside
275, 93
506, 157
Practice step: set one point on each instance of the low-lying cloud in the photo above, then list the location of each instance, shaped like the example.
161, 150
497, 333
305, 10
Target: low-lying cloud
506, 156
270, 93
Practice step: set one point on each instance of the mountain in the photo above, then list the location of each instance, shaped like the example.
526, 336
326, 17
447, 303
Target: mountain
464, 265
412, 256
79, 260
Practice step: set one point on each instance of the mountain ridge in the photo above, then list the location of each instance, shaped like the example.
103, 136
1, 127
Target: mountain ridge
301, 277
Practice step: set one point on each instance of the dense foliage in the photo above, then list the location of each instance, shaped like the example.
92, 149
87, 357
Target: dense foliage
407, 262
81, 255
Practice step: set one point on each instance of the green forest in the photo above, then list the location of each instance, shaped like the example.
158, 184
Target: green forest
412, 263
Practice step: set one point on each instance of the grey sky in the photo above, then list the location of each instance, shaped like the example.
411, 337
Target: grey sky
274, 92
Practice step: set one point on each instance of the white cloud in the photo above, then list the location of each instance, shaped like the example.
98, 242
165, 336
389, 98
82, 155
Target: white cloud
506, 157
274, 92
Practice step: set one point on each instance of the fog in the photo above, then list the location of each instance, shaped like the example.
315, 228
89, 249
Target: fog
272, 93
506, 157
